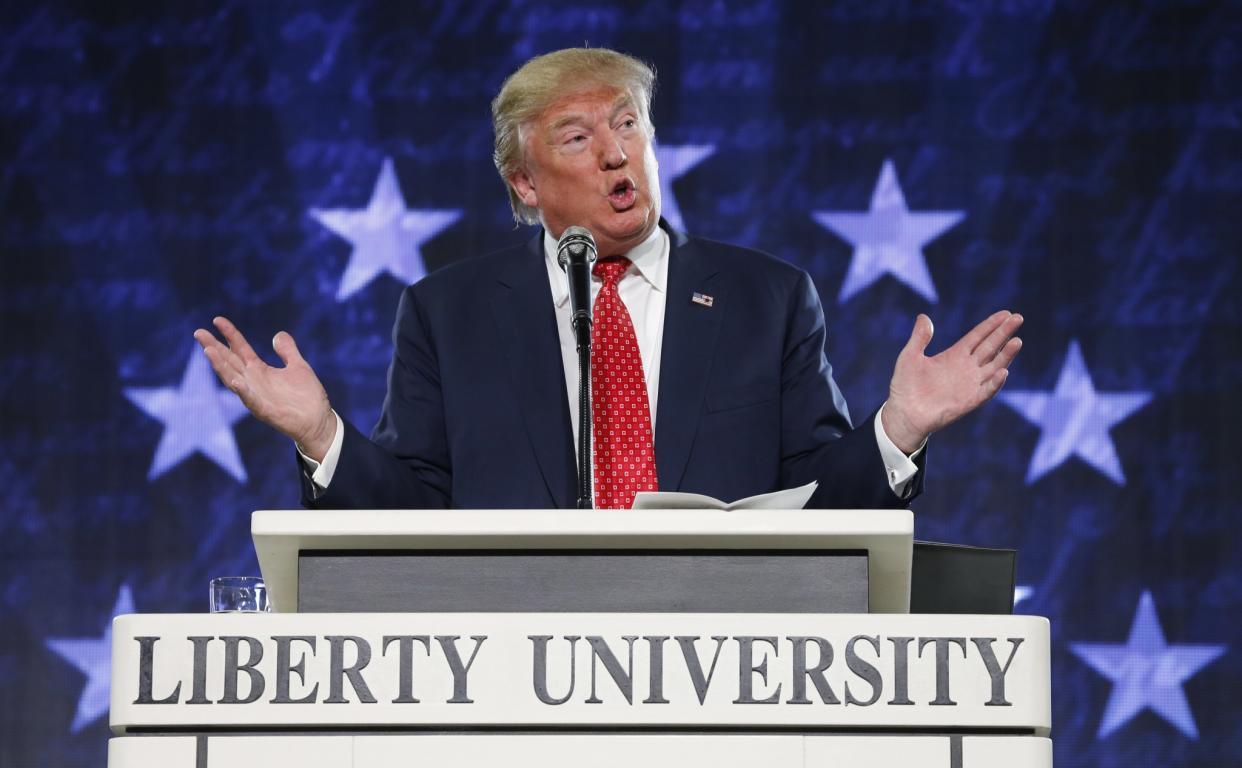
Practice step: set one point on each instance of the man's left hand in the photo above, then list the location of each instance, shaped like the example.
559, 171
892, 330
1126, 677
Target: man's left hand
929, 393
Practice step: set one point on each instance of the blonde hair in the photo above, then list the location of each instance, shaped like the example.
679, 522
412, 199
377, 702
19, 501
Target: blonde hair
544, 79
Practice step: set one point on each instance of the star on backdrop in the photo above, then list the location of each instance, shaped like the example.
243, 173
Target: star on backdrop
386, 236
197, 416
93, 656
1074, 420
888, 238
1147, 672
1022, 592
674, 161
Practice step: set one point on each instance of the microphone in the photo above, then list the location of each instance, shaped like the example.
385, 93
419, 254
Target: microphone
575, 253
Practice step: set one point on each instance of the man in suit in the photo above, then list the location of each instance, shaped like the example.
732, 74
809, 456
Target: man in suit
710, 374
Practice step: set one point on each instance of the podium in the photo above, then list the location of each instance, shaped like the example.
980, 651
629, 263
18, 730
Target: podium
570, 637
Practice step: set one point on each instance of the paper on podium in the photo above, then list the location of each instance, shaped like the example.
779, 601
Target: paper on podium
790, 498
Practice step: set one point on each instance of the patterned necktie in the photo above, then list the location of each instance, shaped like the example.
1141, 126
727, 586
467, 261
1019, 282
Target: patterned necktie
624, 445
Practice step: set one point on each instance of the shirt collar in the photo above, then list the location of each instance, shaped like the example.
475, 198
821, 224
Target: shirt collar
646, 258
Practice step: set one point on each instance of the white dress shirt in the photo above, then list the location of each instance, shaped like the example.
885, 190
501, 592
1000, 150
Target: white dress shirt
643, 290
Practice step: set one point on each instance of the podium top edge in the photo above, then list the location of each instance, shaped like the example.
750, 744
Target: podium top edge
1032, 622
570, 522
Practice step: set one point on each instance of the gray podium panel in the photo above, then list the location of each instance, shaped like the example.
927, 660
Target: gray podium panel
524, 581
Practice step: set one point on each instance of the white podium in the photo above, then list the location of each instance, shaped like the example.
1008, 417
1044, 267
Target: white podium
708, 644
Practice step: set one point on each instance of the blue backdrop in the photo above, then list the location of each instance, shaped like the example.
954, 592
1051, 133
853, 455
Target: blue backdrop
293, 164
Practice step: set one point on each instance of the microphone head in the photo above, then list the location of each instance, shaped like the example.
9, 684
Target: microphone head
576, 245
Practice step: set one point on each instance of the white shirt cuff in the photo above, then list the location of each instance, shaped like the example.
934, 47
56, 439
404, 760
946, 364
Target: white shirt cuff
320, 472
899, 468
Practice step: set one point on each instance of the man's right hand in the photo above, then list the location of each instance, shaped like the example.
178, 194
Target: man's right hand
290, 399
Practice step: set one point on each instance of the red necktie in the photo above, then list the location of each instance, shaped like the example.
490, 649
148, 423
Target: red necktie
624, 444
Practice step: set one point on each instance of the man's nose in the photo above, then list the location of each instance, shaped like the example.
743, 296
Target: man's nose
612, 154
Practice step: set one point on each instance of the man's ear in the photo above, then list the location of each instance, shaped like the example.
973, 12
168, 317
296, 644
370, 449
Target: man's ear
524, 186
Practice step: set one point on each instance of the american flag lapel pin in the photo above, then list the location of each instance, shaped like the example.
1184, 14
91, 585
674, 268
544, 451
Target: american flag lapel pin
702, 298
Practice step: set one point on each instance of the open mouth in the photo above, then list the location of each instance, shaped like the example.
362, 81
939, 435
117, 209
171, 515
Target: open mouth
622, 195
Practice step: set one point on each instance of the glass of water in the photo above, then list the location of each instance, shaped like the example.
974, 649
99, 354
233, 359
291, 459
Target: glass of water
238, 594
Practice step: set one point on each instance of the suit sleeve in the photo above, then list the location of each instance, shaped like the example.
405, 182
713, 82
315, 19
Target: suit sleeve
817, 438
405, 464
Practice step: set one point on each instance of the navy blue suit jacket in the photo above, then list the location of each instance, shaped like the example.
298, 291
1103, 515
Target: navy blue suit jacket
477, 413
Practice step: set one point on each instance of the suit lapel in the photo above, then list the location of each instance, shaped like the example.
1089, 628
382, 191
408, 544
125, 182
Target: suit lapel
526, 322
690, 334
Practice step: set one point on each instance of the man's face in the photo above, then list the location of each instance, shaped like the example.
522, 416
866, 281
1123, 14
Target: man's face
589, 163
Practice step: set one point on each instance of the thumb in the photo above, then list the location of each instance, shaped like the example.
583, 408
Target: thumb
921, 336
286, 348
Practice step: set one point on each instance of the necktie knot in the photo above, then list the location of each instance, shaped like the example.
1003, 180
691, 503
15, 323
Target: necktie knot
610, 270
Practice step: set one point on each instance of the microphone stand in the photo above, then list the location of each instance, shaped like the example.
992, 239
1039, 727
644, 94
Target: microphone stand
575, 253
582, 332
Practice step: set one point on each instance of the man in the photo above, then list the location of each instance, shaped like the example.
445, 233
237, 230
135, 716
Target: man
710, 374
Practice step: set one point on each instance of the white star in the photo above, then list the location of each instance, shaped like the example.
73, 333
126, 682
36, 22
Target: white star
93, 656
1147, 672
1022, 592
386, 235
674, 160
888, 239
197, 416
1074, 419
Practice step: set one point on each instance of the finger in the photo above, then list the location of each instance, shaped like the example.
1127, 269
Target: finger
286, 348
237, 342
997, 339
211, 345
981, 331
1004, 357
226, 366
921, 336
206, 339
995, 382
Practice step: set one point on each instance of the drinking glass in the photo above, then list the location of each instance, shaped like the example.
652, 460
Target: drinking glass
238, 594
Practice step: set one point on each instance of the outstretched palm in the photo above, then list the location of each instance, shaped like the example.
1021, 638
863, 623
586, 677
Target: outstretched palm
290, 399
929, 393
